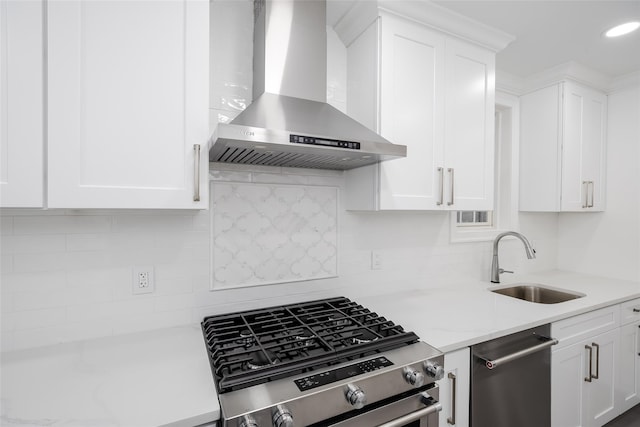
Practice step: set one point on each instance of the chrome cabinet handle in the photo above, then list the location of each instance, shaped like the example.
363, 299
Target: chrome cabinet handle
588, 377
452, 419
597, 347
450, 202
441, 198
196, 173
592, 193
492, 364
585, 185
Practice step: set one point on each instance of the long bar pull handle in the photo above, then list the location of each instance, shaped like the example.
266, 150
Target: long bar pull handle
196, 173
592, 192
452, 419
441, 197
492, 364
416, 415
585, 185
588, 377
597, 347
451, 172
636, 310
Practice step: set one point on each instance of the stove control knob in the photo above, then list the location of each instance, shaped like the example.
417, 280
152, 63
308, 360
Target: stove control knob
282, 417
356, 396
434, 370
413, 377
248, 421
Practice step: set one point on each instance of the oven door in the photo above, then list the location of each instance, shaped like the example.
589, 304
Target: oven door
417, 410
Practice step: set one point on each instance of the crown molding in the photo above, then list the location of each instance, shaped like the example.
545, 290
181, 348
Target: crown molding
509, 83
364, 12
568, 71
625, 82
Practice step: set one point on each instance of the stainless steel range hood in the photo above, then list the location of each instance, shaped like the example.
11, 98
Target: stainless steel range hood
289, 123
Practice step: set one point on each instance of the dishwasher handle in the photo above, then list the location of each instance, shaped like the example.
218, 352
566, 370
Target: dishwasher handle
492, 364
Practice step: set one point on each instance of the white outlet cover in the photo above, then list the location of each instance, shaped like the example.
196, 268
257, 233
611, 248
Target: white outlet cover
136, 287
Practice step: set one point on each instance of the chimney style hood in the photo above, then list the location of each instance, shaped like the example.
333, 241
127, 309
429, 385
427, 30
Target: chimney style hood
289, 123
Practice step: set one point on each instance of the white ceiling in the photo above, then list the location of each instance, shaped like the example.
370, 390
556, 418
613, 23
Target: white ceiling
550, 33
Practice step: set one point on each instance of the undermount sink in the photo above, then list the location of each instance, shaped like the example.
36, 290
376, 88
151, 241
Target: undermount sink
534, 292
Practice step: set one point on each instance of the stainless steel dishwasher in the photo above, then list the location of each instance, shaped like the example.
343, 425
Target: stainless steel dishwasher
511, 380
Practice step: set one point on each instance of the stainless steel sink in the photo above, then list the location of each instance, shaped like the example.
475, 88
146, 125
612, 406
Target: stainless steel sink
537, 293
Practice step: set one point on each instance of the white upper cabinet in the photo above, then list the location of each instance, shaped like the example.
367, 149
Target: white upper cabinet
127, 104
411, 113
21, 104
563, 149
433, 93
469, 126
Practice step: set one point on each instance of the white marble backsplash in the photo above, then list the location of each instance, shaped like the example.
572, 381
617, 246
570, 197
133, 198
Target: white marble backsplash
272, 233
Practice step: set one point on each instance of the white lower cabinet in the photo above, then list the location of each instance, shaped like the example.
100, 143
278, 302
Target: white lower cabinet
583, 382
454, 389
628, 390
628, 393
584, 369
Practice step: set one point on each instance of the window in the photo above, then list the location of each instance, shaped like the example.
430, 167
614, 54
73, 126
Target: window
471, 226
474, 218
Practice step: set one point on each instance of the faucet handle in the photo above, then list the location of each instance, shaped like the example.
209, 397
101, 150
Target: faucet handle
502, 270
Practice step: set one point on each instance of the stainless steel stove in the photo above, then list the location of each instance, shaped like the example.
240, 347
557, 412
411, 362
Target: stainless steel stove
328, 362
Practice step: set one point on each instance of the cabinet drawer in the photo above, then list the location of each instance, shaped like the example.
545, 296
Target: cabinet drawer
627, 313
574, 329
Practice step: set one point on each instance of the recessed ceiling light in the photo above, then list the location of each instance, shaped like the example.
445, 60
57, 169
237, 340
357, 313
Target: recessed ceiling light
622, 29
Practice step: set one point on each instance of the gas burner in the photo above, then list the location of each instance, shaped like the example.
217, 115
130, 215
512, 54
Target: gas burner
363, 336
261, 360
305, 341
246, 338
356, 341
339, 323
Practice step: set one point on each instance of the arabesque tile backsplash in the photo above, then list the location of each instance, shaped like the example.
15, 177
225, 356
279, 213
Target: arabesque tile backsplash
272, 233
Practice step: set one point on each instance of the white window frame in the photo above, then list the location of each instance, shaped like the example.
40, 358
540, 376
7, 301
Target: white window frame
506, 194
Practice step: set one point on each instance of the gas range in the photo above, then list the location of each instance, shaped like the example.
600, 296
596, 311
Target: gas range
327, 362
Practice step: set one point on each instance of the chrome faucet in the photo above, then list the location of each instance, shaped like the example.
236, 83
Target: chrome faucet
495, 267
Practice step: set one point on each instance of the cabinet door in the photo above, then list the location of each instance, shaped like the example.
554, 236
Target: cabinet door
21, 104
455, 404
127, 102
469, 126
583, 150
540, 144
600, 402
628, 388
411, 111
568, 372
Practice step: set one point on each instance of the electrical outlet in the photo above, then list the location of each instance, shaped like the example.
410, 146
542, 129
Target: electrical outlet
376, 260
142, 280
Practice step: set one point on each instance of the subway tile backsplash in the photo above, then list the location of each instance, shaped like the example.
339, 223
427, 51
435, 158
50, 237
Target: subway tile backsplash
67, 274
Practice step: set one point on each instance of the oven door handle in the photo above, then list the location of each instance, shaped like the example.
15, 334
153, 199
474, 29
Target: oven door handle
491, 364
433, 407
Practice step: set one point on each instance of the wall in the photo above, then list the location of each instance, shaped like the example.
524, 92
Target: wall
67, 275
608, 243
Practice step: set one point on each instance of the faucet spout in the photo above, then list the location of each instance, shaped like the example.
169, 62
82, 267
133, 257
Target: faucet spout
495, 265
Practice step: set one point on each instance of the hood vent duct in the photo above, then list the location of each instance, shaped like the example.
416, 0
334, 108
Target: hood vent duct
289, 123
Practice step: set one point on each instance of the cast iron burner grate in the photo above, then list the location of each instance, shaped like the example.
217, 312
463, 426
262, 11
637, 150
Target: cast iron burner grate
257, 346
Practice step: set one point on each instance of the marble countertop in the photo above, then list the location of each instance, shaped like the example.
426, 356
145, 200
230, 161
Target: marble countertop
163, 377
459, 316
155, 378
